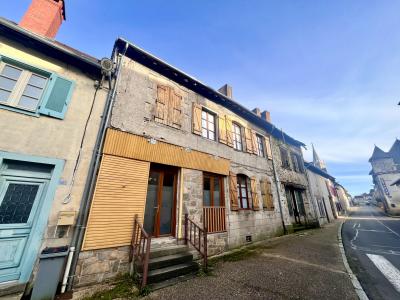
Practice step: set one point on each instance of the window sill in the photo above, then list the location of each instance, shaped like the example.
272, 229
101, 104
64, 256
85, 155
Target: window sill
19, 110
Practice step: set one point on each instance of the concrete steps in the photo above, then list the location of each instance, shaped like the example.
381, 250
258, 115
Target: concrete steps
168, 266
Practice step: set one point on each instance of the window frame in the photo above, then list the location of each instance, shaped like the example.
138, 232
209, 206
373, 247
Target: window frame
260, 140
215, 116
235, 135
212, 178
22, 82
285, 159
247, 186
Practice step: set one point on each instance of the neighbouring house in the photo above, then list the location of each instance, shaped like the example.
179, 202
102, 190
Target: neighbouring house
175, 147
318, 179
386, 177
51, 103
343, 196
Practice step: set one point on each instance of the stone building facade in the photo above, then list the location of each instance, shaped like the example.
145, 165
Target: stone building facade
218, 162
385, 175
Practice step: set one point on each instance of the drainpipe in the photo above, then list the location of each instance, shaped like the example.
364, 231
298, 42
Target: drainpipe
79, 231
278, 186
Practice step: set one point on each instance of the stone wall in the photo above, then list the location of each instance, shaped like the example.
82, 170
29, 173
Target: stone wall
96, 266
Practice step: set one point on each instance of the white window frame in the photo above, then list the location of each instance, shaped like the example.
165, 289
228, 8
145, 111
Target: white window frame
260, 145
20, 86
207, 128
237, 137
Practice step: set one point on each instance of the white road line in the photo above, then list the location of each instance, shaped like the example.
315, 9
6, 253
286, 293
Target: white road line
373, 230
388, 270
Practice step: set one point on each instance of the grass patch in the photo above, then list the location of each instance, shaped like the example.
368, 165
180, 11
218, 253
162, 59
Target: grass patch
125, 288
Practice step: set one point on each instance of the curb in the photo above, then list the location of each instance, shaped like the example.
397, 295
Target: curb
356, 284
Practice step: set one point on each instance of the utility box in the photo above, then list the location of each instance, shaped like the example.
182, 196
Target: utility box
51, 267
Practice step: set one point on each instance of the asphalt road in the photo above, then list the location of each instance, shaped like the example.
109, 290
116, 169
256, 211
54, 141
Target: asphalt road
372, 245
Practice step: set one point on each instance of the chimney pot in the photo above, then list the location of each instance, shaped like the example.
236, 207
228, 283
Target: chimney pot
257, 111
226, 90
266, 115
44, 17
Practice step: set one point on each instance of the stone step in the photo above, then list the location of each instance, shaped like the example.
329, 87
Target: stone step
172, 281
158, 275
166, 261
154, 253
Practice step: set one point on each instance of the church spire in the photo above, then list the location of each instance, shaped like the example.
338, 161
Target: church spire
319, 163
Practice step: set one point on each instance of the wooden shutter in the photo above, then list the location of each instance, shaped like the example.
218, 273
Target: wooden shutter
266, 192
229, 134
233, 191
57, 97
255, 144
268, 147
254, 194
196, 119
249, 140
222, 129
162, 102
176, 108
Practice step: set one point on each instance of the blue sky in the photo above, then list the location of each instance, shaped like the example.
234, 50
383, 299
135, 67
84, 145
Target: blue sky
329, 72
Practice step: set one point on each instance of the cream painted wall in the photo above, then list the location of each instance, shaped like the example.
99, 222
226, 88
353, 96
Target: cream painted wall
54, 138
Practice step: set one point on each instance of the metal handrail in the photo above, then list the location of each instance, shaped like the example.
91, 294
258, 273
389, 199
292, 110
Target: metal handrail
140, 249
194, 234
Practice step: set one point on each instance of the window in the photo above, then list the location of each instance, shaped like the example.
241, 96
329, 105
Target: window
260, 145
237, 137
213, 190
20, 88
285, 158
300, 163
295, 163
30, 90
207, 124
244, 192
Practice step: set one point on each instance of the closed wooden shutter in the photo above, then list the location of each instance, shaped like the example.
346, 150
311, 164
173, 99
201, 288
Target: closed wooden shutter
266, 193
233, 191
57, 97
229, 134
119, 195
268, 147
162, 103
249, 140
196, 119
176, 107
254, 194
255, 144
222, 129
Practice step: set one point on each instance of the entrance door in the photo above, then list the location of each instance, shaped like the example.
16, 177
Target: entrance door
20, 198
159, 217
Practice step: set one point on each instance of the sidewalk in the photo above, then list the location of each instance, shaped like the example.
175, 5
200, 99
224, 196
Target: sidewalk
307, 265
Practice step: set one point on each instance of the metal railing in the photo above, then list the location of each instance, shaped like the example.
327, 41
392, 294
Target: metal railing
197, 237
140, 249
214, 219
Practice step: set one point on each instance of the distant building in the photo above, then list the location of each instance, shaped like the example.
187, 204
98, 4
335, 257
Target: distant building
386, 177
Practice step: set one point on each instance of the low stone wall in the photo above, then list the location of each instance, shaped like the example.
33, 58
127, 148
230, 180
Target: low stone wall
96, 266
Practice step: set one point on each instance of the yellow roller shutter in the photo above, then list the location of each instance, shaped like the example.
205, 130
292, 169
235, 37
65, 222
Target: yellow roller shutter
229, 134
119, 195
249, 140
233, 191
268, 147
162, 102
254, 194
222, 129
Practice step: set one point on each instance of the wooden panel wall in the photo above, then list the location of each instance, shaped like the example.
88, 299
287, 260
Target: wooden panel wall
120, 193
133, 146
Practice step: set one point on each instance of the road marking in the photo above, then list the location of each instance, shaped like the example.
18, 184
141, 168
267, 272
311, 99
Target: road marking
373, 230
359, 224
354, 225
387, 269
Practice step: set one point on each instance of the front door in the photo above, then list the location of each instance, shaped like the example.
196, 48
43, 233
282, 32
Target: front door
159, 216
20, 198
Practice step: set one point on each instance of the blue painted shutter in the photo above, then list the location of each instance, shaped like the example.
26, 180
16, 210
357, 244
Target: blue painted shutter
57, 96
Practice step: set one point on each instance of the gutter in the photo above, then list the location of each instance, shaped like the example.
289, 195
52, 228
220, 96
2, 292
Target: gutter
77, 239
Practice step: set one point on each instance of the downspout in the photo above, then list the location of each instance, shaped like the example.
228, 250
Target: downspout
78, 235
277, 183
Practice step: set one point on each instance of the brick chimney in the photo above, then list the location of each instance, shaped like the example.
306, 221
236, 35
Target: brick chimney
44, 17
257, 111
226, 90
266, 115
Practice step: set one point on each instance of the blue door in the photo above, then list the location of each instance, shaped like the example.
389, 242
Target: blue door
22, 191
